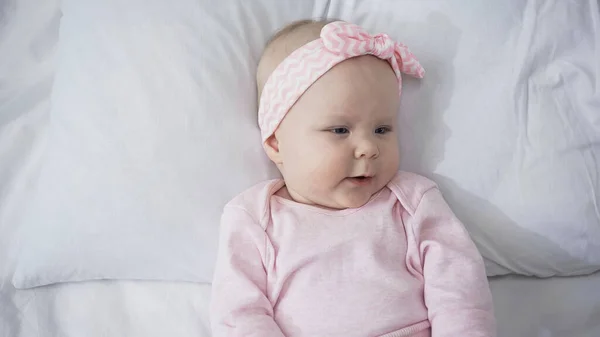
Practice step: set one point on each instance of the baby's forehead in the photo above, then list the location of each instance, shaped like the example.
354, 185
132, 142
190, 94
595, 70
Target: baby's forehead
353, 88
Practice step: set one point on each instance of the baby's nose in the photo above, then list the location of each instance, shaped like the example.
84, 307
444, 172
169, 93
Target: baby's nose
366, 148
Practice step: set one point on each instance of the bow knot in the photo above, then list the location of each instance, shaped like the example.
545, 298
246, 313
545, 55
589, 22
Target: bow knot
350, 40
383, 46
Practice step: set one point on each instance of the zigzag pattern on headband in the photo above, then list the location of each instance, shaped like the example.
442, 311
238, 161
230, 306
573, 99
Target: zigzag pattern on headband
339, 41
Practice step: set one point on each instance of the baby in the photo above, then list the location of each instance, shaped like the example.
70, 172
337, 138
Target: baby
344, 245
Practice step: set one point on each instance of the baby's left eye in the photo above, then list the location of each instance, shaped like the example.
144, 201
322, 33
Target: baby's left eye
382, 130
340, 130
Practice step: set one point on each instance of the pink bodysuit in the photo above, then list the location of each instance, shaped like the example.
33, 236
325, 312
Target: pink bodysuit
401, 265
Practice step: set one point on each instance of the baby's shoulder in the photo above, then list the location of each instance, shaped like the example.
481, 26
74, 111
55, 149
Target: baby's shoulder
255, 200
410, 188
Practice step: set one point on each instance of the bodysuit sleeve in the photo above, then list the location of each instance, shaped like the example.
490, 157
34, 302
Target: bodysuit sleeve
457, 293
239, 304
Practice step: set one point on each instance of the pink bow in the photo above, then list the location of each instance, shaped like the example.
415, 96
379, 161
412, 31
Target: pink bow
350, 40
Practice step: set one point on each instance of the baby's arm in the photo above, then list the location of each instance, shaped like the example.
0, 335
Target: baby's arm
457, 293
239, 305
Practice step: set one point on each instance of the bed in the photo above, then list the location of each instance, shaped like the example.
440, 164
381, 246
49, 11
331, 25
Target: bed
151, 305
524, 307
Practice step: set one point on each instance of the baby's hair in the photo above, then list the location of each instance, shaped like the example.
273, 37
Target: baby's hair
284, 42
294, 26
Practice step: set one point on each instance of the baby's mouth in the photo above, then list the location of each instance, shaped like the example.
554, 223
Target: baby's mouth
360, 180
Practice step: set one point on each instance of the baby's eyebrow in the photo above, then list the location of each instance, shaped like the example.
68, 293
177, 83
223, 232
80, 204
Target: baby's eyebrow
349, 114
341, 111
330, 110
336, 118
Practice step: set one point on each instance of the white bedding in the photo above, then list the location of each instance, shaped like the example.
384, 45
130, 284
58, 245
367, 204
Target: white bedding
153, 105
525, 307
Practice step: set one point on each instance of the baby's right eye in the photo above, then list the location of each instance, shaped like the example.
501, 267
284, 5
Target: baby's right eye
340, 131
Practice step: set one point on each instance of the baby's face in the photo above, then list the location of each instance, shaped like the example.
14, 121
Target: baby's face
338, 144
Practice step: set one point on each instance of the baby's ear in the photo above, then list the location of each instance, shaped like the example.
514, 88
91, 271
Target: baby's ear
271, 146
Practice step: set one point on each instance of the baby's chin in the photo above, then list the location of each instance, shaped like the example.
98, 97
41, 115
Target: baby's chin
341, 198
353, 200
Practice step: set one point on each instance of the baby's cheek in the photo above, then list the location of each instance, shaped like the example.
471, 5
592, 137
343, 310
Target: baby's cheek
323, 169
394, 162
332, 170
391, 155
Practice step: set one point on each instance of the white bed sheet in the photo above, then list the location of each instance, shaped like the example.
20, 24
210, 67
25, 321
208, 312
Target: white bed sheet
525, 307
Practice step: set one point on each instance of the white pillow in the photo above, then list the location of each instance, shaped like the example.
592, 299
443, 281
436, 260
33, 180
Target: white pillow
153, 129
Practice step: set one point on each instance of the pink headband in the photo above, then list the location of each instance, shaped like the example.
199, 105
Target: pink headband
339, 41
